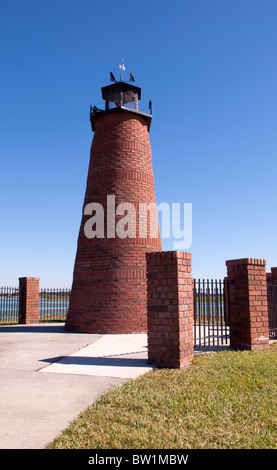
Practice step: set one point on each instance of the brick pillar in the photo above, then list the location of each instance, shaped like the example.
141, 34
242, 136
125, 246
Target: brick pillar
248, 303
28, 300
170, 308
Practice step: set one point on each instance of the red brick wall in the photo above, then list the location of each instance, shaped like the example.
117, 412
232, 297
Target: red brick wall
28, 300
248, 303
170, 308
109, 280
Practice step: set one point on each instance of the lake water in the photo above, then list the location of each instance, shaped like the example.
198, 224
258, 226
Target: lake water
47, 308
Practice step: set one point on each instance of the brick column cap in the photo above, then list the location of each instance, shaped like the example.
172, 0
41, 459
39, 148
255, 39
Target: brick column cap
36, 278
168, 255
246, 261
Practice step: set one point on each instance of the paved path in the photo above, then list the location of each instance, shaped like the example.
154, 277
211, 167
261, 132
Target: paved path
48, 376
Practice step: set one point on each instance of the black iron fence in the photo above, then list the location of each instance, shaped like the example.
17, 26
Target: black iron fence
53, 304
9, 304
272, 309
211, 325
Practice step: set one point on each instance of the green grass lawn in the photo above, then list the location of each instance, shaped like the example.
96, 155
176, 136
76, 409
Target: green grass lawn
222, 400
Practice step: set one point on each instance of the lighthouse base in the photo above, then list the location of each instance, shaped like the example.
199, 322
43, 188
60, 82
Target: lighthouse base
109, 306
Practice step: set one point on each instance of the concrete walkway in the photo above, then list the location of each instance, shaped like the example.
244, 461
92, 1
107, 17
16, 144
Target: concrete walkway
48, 376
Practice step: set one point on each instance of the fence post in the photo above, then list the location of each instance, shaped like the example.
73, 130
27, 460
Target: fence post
169, 308
248, 307
28, 300
273, 276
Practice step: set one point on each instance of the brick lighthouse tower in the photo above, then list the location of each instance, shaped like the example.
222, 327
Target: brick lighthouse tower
109, 292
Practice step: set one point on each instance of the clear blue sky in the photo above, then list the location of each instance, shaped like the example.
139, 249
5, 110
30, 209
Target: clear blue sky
210, 68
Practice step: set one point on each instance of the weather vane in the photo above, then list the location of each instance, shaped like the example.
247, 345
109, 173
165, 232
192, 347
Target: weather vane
122, 67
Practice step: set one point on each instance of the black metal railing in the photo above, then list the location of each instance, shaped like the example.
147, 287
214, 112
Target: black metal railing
211, 325
272, 309
9, 304
53, 304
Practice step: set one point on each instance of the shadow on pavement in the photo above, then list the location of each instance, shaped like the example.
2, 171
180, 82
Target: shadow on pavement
100, 361
55, 328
